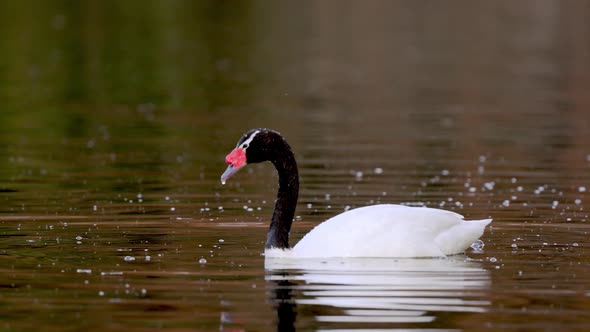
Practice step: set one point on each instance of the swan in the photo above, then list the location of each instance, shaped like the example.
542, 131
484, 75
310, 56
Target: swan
382, 230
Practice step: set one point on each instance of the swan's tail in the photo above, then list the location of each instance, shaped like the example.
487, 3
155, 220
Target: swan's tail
458, 238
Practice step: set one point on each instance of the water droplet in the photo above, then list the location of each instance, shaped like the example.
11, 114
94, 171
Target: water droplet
478, 245
489, 185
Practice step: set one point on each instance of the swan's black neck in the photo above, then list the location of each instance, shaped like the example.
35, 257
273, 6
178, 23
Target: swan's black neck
282, 217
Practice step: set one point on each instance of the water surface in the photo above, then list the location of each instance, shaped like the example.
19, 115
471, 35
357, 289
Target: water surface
116, 119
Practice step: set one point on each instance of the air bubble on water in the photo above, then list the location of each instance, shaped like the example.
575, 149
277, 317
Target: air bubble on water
575, 244
100, 293
554, 204
472, 189
513, 180
482, 159
378, 170
358, 175
445, 172
489, 185
309, 205
129, 258
582, 189
514, 245
221, 240
172, 209
167, 198
506, 203
87, 271
493, 259
477, 245
148, 258
202, 261
578, 201
79, 238
94, 208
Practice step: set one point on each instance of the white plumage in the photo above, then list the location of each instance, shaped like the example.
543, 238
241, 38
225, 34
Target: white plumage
388, 230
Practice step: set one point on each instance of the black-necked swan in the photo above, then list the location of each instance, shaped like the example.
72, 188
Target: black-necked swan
383, 230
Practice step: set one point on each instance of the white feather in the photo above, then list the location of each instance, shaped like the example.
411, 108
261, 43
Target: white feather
388, 230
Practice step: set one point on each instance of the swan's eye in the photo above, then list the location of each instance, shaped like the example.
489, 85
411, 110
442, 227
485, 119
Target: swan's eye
245, 146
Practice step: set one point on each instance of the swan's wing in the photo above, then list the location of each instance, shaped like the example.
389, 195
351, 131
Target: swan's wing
385, 230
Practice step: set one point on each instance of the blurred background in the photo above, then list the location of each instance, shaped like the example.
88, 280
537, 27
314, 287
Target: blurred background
83, 78
116, 116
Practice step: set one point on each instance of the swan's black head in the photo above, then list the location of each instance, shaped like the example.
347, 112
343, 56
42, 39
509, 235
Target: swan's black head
257, 145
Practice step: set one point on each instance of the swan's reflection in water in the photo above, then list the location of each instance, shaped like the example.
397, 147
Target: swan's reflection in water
380, 290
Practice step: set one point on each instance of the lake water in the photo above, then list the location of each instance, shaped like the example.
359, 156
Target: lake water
116, 118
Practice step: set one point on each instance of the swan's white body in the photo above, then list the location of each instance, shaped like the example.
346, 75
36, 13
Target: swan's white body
388, 230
